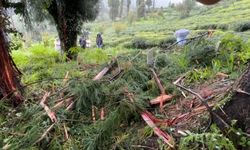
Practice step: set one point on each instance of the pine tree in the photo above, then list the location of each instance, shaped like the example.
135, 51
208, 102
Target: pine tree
68, 16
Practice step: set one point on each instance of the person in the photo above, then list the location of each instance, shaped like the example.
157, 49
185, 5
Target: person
82, 42
86, 33
57, 44
181, 36
88, 43
99, 40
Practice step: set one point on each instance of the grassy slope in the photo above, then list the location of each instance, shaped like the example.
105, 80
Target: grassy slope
154, 29
157, 27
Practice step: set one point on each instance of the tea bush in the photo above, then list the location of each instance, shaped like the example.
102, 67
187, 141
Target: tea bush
242, 27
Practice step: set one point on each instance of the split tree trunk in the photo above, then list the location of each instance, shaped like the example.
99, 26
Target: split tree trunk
9, 74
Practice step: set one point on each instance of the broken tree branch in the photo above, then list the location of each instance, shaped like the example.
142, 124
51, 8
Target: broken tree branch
159, 99
50, 113
164, 136
158, 82
164, 97
104, 70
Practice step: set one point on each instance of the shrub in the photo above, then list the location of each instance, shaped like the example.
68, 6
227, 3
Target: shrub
242, 27
16, 42
118, 27
223, 27
208, 26
74, 51
167, 42
231, 51
47, 40
201, 53
142, 43
209, 141
213, 27
232, 43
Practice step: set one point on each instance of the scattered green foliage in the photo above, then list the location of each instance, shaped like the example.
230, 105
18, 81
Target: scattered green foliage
208, 141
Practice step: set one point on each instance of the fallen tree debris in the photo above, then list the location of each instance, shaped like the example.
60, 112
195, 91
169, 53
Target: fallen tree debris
49, 112
161, 99
164, 136
65, 132
45, 133
105, 70
203, 101
164, 97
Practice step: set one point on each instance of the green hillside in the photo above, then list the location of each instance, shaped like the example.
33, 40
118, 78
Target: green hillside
106, 114
158, 26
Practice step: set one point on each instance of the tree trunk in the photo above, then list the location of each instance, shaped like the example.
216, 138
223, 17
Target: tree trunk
121, 8
128, 6
66, 26
9, 78
238, 108
153, 4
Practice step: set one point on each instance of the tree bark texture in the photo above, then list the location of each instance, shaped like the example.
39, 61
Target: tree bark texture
66, 25
9, 74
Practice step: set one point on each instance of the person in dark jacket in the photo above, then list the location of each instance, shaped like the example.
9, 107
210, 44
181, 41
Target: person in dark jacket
99, 40
82, 42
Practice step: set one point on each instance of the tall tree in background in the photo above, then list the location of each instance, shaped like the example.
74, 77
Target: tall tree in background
149, 4
185, 7
68, 16
154, 4
9, 74
128, 6
140, 8
121, 8
114, 8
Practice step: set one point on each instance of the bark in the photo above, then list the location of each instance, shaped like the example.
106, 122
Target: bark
9, 74
66, 25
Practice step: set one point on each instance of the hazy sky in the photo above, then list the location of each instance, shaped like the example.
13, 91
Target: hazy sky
159, 3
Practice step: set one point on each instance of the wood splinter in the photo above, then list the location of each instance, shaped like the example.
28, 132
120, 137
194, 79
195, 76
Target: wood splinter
49, 112
104, 71
164, 97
